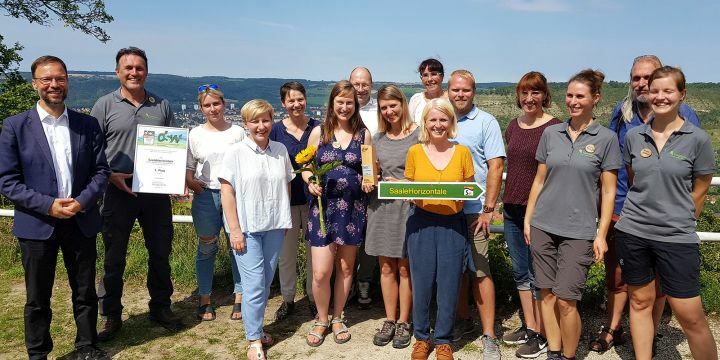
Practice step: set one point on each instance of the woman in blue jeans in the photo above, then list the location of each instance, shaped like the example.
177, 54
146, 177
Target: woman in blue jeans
522, 136
207, 144
255, 187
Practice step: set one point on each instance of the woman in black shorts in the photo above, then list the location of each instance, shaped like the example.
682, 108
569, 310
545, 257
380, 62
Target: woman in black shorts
670, 166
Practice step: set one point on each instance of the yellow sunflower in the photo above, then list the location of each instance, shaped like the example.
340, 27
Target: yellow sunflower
306, 155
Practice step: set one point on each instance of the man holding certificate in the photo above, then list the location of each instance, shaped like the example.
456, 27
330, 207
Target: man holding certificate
119, 114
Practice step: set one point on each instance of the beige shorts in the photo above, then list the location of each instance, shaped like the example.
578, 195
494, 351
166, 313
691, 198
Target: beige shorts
479, 250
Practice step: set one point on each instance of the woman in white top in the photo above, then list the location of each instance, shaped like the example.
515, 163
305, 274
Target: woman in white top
255, 192
431, 74
207, 144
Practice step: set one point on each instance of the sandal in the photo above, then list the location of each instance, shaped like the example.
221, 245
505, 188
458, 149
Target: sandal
320, 337
600, 345
206, 309
237, 309
258, 350
343, 330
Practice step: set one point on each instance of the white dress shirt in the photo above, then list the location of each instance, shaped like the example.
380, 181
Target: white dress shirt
57, 132
368, 113
260, 179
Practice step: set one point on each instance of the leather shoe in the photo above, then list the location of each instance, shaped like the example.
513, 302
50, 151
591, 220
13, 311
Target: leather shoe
167, 319
91, 352
110, 328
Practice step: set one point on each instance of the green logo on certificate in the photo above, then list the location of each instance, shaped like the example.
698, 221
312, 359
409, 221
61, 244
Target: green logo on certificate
429, 190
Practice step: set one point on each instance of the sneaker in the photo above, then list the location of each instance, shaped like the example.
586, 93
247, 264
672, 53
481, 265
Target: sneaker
403, 334
385, 334
90, 352
491, 349
166, 318
443, 352
554, 355
286, 309
364, 299
463, 327
109, 329
517, 337
536, 345
421, 350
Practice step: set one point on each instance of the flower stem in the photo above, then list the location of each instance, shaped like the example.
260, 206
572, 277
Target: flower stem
322, 221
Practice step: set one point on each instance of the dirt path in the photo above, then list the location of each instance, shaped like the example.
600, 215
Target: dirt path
224, 339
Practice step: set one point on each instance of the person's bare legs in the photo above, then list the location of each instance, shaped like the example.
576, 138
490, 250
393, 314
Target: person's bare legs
389, 285
484, 293
570, 325
323, 263
344, 267
405, 290
658, 310
689, 313
551, 319
530, 309
642, 298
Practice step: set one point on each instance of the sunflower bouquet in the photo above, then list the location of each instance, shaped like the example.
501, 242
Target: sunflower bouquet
307, 161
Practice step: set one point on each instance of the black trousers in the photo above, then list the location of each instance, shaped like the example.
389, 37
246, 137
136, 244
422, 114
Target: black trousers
154, 213
39, 258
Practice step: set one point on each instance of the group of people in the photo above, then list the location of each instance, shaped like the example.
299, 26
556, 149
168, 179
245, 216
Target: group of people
575, 193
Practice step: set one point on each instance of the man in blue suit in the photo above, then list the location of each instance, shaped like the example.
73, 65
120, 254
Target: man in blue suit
53, 168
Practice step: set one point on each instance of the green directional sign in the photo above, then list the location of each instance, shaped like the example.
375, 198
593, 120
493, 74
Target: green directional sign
429, 190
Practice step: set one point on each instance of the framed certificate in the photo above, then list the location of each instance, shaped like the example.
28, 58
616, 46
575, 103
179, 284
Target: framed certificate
160, 160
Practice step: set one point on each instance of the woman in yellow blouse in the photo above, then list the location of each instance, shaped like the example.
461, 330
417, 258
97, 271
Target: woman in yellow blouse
436, 230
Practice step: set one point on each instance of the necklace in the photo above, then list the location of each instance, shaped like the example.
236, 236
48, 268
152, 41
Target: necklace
580, 130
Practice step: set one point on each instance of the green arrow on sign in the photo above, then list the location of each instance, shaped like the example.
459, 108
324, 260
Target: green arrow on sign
429, 190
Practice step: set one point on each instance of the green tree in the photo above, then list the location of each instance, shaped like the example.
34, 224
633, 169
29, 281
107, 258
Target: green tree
81, 15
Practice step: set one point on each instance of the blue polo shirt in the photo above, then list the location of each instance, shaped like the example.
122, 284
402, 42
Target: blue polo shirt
480, 132
280, 134
686, 112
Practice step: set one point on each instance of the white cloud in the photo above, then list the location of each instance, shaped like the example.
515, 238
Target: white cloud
535, 5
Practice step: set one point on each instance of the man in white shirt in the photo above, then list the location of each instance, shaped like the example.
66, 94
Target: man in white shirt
53, 169
361, 80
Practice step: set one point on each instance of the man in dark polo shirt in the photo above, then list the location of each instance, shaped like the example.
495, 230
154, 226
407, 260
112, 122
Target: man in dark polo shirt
119, 113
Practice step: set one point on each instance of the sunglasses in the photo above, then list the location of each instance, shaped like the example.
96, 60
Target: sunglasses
207, 87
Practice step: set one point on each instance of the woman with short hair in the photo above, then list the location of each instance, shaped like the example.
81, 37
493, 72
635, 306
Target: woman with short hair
436, 230
431, 75
255, 192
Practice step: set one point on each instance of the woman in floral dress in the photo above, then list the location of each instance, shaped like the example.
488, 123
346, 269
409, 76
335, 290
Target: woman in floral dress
344, 203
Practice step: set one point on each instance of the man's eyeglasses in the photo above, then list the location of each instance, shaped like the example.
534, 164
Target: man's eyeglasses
207, 87
48, 81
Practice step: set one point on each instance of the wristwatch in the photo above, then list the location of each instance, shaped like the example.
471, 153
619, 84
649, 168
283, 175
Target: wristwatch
488, 209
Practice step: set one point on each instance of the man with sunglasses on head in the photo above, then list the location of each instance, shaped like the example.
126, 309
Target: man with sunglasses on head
119, 113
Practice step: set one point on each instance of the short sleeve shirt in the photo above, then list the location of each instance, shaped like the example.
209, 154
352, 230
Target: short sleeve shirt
280, 134
260, 179
368, 114
568, 202
621, 128
480, 132
118, 120
419, 168
206, 150
659, 204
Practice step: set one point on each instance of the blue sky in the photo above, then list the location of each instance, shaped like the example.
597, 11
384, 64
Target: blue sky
498, 40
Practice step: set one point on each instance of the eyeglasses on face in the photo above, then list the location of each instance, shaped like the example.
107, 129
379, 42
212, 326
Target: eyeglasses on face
207, 87
62, 80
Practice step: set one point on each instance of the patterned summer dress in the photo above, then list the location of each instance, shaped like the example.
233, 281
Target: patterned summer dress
344, 202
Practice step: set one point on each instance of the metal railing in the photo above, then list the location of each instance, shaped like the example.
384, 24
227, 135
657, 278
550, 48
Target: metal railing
704, 236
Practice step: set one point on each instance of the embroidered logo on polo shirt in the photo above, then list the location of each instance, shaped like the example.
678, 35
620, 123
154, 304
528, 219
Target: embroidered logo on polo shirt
150, 117
587, 154
676, 155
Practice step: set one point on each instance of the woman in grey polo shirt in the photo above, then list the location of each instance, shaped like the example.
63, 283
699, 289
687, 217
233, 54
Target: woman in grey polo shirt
577, 162
670, 166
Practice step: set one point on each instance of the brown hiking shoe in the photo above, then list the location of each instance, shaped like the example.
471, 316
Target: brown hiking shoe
443, 352
421, 350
